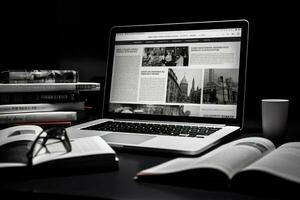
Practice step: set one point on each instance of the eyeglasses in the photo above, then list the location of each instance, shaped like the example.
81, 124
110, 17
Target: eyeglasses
47, 138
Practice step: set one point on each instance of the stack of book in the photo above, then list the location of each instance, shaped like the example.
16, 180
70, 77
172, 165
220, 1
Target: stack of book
42, 97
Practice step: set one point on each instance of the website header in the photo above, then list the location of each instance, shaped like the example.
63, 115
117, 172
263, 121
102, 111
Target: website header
211, 33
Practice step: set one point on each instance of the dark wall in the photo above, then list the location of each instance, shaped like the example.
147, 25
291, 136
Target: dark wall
28, 34
74, 34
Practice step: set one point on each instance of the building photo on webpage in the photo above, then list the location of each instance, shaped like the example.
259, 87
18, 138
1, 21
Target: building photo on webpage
220, 86
184, 86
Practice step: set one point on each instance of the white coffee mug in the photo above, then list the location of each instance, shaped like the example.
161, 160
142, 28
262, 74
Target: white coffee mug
274, 118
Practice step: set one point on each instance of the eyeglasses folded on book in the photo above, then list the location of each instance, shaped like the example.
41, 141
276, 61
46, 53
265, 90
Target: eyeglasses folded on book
53, 140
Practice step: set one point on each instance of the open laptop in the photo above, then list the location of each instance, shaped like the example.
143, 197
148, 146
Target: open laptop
173, 87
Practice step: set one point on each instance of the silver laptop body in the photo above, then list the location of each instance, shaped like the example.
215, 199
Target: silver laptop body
176, 76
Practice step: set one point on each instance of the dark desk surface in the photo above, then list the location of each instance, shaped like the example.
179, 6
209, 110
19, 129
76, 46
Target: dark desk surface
118, 184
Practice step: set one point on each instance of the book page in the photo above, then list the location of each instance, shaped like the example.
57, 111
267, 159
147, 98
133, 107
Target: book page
15, 143
284, 162
237, 155
229, 158
80, 147
19, 133
5, 165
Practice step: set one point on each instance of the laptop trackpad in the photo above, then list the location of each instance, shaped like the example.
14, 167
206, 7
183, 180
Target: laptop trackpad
126, 138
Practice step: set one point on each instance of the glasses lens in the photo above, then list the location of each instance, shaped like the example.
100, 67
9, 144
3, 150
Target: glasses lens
55, 146
38, 147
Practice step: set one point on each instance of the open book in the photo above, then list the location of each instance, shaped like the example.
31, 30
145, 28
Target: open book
86, 153
252, 162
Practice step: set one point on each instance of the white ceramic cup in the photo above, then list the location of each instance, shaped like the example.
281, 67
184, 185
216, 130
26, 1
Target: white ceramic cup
274, 118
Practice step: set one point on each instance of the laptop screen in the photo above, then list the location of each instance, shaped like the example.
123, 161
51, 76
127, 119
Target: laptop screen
190, 73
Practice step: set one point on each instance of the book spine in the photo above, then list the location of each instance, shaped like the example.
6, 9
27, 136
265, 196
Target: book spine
49, 87
81, 86
50, 124
37, 117
43, 97
43, 107
40, 76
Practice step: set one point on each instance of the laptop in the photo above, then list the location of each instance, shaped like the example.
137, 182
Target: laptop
175, 88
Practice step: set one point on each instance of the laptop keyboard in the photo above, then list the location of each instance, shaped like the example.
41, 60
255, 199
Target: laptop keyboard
157, 129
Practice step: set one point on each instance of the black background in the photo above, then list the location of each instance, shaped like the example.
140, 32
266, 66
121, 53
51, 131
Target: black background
74, 35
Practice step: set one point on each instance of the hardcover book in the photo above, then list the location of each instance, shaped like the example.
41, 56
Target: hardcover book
49, 87
14, 118
17, 144
39, 76
39, 97
46, 125
247, 163
40, 107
